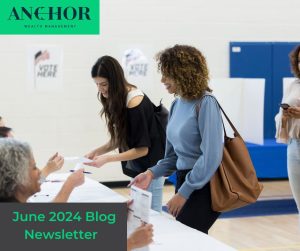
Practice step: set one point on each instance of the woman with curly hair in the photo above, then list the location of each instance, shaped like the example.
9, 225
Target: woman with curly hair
131, 123
288, 126
194, 137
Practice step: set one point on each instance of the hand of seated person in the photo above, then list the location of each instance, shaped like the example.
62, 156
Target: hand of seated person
54, 164
76, 179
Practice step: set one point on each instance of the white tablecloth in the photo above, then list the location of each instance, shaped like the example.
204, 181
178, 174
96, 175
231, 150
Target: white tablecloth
169, 234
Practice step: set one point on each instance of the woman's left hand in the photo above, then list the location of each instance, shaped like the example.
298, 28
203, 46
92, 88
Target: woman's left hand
98, 161
175, 204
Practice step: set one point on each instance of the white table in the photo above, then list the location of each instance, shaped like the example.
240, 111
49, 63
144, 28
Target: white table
169, 234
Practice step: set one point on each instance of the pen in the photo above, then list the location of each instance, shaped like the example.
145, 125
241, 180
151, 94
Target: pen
53, 181
83, 172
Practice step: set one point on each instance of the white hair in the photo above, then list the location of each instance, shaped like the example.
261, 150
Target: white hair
15, 159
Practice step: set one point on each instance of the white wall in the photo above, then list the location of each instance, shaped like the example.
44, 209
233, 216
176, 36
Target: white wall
67, 121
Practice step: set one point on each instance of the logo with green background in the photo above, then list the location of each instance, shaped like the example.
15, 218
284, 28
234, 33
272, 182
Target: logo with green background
45, 17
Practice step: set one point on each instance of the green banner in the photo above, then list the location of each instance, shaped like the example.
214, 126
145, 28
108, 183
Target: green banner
49, 17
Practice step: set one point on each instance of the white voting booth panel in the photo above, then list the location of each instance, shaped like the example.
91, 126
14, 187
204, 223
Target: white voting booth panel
286, 82
169, 235
243, 101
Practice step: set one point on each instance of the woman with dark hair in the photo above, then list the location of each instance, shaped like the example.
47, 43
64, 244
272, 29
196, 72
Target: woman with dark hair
4, 131
194, 137
288, 126
1, 122
129, 116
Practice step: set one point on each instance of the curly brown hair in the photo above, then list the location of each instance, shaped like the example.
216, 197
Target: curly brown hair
187, 67
294, 60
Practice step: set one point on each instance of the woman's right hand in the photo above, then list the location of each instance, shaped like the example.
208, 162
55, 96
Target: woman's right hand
77, 178
142, 180
91, 154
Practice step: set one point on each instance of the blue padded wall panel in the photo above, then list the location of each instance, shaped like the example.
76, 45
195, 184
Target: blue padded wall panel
269, 159
254, 60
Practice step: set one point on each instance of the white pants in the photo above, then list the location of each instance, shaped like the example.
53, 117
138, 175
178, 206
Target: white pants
293, 163
156, 188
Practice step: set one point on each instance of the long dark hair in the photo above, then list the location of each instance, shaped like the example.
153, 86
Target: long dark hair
4, 131
114, 106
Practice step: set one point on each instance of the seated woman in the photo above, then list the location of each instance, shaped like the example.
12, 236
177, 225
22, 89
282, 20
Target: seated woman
20, 178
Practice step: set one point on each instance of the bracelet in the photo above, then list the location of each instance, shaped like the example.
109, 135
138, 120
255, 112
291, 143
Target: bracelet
42, 179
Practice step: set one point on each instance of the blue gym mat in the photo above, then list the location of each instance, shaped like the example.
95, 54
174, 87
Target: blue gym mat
262, 208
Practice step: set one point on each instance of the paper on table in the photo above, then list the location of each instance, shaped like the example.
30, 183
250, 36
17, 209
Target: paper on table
139, 210
79, 160
78, 166
89, 191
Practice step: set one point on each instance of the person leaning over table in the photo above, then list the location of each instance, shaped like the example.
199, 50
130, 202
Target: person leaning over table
288, 127
131, 123
194, 137
20, 178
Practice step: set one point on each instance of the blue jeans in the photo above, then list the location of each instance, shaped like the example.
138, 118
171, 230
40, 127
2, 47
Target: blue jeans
156, 188
293, 163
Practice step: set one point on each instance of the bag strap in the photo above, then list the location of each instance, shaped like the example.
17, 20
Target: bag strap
236, 133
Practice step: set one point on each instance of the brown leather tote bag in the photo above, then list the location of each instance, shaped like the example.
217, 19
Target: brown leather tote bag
235, 183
